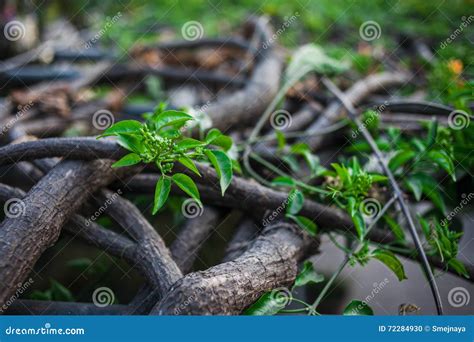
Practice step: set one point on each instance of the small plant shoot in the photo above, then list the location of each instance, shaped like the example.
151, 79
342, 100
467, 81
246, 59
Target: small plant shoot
160, 141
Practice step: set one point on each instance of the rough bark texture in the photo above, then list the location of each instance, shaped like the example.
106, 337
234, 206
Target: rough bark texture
46, 207
162, 271
228, 288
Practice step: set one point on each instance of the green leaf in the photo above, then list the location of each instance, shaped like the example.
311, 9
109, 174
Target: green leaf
295, 202
342, 173
170, 118
186, 184
304, 223
125, 126
268, 304
212, 134
394, 227
188, 143
391, 261
308, 275
351, 206
215, 137
283, 181
281, 140
223, 166
130, 142
458, 267
236, 166
162, 190
431, 190
358, 308
432, 132
292, 162
442, 159
359, 224
188, 162
415, 186
401, 158
60, 293
129, 159
312, 57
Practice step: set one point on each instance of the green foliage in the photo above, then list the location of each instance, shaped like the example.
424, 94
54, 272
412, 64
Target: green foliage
268, 304
56, 292
308, 275
312, 57
358, 308
160, 141
443, 242
349, 185
391, 261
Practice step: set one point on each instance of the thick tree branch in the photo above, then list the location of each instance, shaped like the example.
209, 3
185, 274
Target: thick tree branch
228, 288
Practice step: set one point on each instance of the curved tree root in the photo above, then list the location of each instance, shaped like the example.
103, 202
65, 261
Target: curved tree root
228, 288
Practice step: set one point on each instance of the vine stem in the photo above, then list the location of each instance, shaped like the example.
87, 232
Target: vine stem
348, 256
396, 189
265, 116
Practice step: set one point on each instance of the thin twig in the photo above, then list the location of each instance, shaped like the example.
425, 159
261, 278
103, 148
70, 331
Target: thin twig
396, 189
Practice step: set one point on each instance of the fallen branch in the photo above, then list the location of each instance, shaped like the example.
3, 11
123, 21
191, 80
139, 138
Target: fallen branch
228, 288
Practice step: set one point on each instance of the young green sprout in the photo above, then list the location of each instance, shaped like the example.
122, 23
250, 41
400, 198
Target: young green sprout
160, 141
